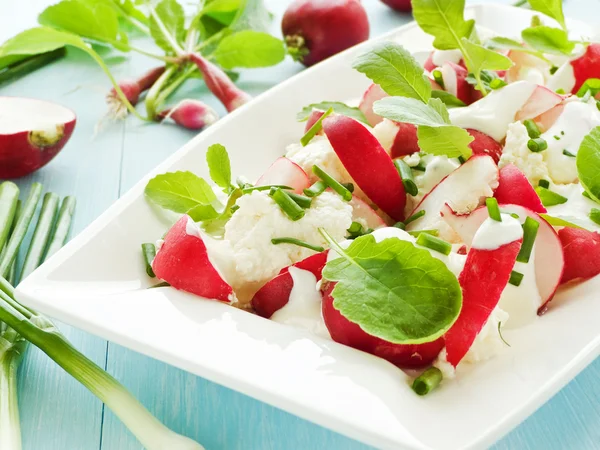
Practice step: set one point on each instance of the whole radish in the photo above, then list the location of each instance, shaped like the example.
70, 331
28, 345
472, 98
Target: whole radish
399, 5
317, 29
132, 90
191, 114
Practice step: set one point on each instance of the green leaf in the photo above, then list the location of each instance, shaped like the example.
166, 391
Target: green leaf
219, 166
180, 191
409, 110
200, 213
171, 23
588, 164
444, 20
39, 40
99, 23
552, 8
591, 85
548, 40
338, 108
394, 290
252, 15
503, 43
249, 49
393, 68
447, 140
482, 58
563, 221
223, 11
447, 98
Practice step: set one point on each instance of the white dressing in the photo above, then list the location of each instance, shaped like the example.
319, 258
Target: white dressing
577, 205
563, 78
492, 234
493, 113
437, 168
439, 57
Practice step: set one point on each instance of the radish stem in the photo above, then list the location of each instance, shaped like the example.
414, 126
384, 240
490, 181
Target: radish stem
154, 92
174, 85
61, 229
12, 348
172, 42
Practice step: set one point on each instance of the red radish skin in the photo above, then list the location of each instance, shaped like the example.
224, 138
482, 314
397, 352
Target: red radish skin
190, 114
514, 188
220, 84
348, 333
132, 90
455, 81
378, 179
429, 65
276, 293
483, 144
184, 263
312, 119
371, 95
287, 173
32, 133
406, 141
483, 279
399, 5
317, 29
582, 253
586, 66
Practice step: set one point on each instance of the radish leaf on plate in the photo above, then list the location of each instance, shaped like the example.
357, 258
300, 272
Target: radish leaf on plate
588, 164
249, 49
180, 191
548, 40
219, 166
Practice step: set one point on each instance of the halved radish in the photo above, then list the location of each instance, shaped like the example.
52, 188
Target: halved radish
483, 279
276, 293
352, 335
368, 163
312, 119
371, 95
541, 100
455, 81
586, 66
360, 210
549, 259
285, 172
464, 189
183, 262
483, 144
32, 132
514, 188
582, 253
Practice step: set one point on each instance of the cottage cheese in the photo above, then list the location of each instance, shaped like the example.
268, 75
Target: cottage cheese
516, 152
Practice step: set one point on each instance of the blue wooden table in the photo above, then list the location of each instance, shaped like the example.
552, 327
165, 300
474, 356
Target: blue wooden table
101, 162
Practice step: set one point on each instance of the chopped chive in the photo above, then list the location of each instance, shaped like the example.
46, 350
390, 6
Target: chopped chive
247, 190
316, 189
560, 91
420, 167
500, 334
537, 145
515, 216
298, 242
234, 208
332, 183
437, 76
287, 205
357, 230
544, 184
562, 133
407, 177
532, 129
434, 243
493, 209
553, 70
414, 217
556, 137
515, 278
568, 153
349, 186
461, 159
400, 225
317, 126
420, 232
149, 253
301, 200
530, 230
550, 198
159, 285
595, 215
427, 381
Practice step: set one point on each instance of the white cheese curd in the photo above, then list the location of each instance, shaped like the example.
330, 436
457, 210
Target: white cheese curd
492, 234
259, 219
532, 75
492, 114
320, 152
516, 152
577, 206
412, 160
436, 169
303, 309
385, 132
563, 78
439, 57
576, 121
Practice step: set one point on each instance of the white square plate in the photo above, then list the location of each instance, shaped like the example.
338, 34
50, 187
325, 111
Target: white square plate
97, 283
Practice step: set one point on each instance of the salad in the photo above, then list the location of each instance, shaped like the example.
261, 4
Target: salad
452, 203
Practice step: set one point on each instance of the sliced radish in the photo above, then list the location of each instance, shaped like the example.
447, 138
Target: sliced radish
352, 335
312, 119
525, 66
455, 81
360, 210
541, 100
276, 293
285, 172
549, 260
582, 253
184, 262
464, 189
32, 132
429, 65
483, 279
406, 141
514, 188
586, 66
368, 163
547, 119
371, 95
483, 144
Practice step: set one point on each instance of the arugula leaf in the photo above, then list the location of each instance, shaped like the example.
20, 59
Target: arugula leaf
180, 192
223, 11
448, 140
249, 49
548, 40
39, 40
219, 166
551, 8
488, 79
444, 20
200, 213
252, 15
588, 164
485, 59
591, 85
338, 108
447, 98
504, 43
394, 290
397, 72
169, 28
409, 110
